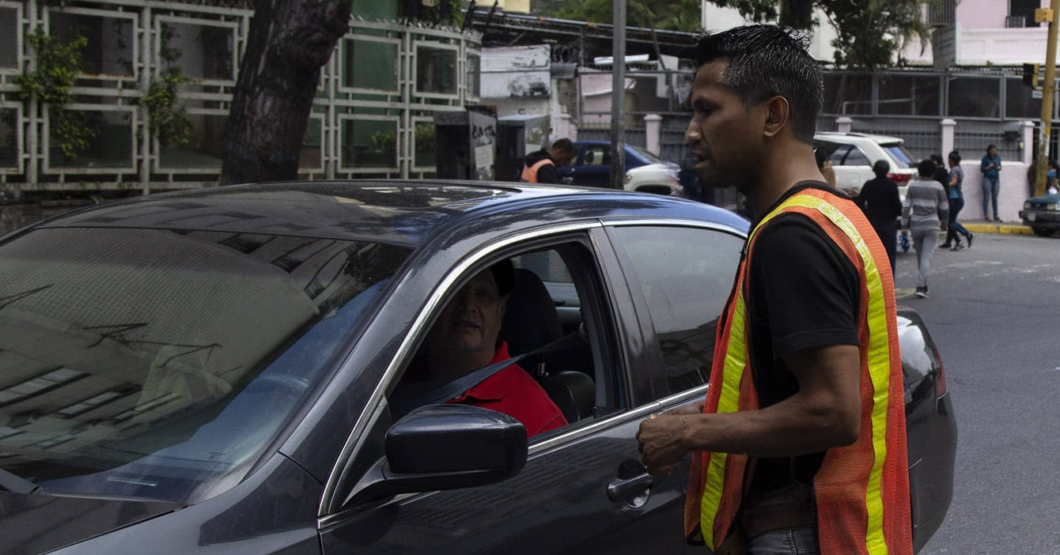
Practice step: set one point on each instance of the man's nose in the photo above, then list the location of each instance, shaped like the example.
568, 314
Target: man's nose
692, 133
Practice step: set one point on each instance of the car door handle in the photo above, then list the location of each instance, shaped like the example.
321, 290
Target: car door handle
620, 489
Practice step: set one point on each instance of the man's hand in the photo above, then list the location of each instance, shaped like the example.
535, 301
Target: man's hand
662, 439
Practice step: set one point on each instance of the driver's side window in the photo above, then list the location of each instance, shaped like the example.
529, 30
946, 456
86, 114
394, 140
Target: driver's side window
540, 308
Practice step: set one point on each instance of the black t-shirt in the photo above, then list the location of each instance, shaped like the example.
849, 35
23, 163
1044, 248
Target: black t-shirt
880, 201
804, 294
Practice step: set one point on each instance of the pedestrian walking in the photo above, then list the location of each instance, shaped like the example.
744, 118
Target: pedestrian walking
926, 206
956, 197
882, 205
941, 174
990, 166
800, 446
1052, 178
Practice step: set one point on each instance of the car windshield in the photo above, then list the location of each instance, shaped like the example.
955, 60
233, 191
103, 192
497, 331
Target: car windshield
900, 155
160, 364
651, 157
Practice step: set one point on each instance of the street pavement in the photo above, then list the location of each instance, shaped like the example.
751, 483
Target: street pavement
994, 312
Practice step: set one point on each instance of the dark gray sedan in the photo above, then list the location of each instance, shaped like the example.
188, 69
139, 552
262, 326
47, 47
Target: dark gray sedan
211, 372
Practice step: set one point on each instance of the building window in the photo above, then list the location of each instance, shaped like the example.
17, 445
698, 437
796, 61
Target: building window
847, 93
9, 49
1021, 13
205, 148
204, 52
370, 64
436, 70
369, 143
111, 48
110, 147
10, 134
904, 95
975, 97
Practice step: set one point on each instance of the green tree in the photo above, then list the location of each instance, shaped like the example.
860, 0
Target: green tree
870, 31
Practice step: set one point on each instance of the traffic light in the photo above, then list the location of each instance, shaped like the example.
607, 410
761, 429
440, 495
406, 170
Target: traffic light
1030, 75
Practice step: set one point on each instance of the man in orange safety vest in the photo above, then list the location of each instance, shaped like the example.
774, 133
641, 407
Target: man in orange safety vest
540, 166
800, 446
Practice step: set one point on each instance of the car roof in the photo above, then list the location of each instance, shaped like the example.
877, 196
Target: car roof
879, 139
404, 213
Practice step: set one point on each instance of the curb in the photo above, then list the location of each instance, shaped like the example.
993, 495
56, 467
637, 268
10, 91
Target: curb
1003, 229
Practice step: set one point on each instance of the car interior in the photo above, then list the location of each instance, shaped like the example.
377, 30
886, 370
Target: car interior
550, 308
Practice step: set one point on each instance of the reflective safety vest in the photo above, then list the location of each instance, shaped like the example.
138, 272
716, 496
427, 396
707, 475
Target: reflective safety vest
530, 172
861, 492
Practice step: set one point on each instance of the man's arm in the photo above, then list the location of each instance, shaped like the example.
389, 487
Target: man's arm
825, 413
944, 206
548, 174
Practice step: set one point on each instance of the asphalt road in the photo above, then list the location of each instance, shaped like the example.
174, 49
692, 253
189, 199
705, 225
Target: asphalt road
995, 313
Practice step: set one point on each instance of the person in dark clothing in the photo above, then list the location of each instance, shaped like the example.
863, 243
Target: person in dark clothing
956, 197
540, 166
882, 206
941, 175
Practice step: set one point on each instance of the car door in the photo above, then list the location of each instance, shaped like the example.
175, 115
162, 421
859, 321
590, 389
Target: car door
569, 174
852, 167
595, 168
681, 274
583, 489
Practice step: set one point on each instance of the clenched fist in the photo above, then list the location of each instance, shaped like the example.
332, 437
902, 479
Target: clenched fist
662, 439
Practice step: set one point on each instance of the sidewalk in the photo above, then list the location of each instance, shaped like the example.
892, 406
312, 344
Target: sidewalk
1006, 228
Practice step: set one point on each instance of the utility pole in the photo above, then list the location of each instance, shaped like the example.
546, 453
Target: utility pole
618, 95
1048, 91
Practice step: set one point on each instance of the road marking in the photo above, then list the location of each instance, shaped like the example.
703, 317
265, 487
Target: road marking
904, 293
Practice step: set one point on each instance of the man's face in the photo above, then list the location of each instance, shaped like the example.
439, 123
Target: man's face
562, 157
472, 320
726, 137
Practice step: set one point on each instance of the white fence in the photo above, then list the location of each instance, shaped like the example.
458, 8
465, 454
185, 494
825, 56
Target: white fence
384, 83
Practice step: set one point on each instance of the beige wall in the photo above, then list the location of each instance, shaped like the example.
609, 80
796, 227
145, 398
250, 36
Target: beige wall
516, 6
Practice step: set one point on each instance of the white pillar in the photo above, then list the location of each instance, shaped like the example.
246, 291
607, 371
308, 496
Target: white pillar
844, 124
1028, 142
653, 130
948, 126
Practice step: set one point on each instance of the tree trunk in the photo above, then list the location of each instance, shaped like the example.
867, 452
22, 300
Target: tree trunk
290, 40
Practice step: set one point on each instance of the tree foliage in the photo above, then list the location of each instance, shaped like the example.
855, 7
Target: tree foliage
870, 31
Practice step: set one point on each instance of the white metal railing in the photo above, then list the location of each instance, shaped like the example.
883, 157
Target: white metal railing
435, 69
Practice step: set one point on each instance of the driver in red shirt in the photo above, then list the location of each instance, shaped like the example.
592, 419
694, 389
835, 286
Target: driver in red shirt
464, 339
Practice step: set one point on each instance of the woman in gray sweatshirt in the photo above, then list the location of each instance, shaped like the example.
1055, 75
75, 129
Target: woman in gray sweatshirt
924, 211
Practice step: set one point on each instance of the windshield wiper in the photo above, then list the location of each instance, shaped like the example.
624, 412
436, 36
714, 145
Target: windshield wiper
17, 484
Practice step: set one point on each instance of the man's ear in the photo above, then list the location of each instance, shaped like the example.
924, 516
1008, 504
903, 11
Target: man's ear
778, 111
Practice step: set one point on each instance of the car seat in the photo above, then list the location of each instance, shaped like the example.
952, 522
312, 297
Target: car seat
531, 322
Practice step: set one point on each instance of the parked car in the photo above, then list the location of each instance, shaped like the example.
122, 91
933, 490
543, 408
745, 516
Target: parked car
592, 165
1042, 214
212, 371
853, 155
659, 179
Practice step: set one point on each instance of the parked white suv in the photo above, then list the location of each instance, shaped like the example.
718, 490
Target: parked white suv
853, 155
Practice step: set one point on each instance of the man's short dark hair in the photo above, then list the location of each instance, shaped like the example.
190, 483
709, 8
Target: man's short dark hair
764, 61
563, 145
504, 275
881, 168
926, 168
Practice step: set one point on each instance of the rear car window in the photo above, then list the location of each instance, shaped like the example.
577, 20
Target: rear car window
160, 364
900, 155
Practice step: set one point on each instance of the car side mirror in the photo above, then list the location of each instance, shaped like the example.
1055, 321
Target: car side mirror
444, 447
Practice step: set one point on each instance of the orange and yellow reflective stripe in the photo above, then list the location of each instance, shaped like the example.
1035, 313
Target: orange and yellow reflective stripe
878, 362
732, 374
